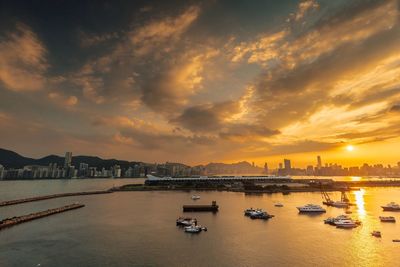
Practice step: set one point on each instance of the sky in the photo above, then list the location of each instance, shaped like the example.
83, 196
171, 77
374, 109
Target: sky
202, 81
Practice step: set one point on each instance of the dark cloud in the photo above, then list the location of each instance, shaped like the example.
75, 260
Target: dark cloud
207, 117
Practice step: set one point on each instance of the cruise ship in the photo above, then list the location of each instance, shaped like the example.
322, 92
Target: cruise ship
311, 208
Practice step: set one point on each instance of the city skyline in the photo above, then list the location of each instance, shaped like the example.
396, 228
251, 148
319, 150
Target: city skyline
199, 82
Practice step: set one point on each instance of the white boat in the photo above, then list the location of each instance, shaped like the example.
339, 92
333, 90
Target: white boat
387, 219
261, 215
392, 206
346, 223
332, 220
278, 205
248, 212
193, 229
311, 208
195, 197
185, 221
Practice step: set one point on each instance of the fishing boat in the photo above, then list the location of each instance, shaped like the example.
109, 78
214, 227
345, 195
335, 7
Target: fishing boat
387, 219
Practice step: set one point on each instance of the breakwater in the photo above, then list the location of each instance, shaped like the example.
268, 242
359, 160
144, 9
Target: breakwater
37, 215
39, 198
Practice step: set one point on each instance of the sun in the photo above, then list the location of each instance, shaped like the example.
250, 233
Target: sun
349, 148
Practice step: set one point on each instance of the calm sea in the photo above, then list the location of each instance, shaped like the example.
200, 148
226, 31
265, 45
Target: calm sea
138, 229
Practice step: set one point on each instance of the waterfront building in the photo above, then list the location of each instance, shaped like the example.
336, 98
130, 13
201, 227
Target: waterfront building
68, 160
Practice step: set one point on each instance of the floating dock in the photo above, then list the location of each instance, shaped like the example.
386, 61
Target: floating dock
33, 216
31, 199
213, 207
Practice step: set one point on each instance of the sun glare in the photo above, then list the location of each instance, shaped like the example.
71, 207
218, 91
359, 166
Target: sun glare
349, 148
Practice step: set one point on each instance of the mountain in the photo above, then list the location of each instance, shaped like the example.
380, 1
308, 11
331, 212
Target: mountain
10, 159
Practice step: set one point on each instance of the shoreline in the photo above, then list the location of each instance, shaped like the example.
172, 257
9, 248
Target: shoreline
270, 188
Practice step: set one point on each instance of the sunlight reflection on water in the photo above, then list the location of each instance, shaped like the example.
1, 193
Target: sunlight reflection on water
359, 196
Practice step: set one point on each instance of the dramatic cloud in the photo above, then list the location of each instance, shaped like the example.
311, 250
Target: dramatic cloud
164, 80
22, 60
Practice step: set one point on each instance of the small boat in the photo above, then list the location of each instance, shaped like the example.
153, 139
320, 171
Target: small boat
185, 221
311, 208
392, 206
278, 205
332, 220
261, 215
376, 234
348, 212
387, 219
195, 197
346, 223
396, 240
248, 212
193, 229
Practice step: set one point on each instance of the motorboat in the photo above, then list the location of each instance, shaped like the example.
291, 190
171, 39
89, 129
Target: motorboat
185, 221
278, 205
345, 223
376, 234
342, 221
387, 219
392, 206
332, 220
248, 212
193, 229
311, 208
261, 215
195, 197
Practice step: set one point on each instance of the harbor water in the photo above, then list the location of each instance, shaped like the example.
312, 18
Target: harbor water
138, 229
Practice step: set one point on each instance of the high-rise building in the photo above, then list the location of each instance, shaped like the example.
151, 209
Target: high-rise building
319, 162
287, 164
266, 168
68, 160
280, 166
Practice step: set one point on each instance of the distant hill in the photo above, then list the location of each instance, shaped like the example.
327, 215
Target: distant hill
10, 159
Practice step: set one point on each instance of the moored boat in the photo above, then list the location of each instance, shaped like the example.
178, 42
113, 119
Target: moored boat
261, 215
345, 223
193, 229
376, 234
387, 219
392, 206
185, 221
311, 208
247, 212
